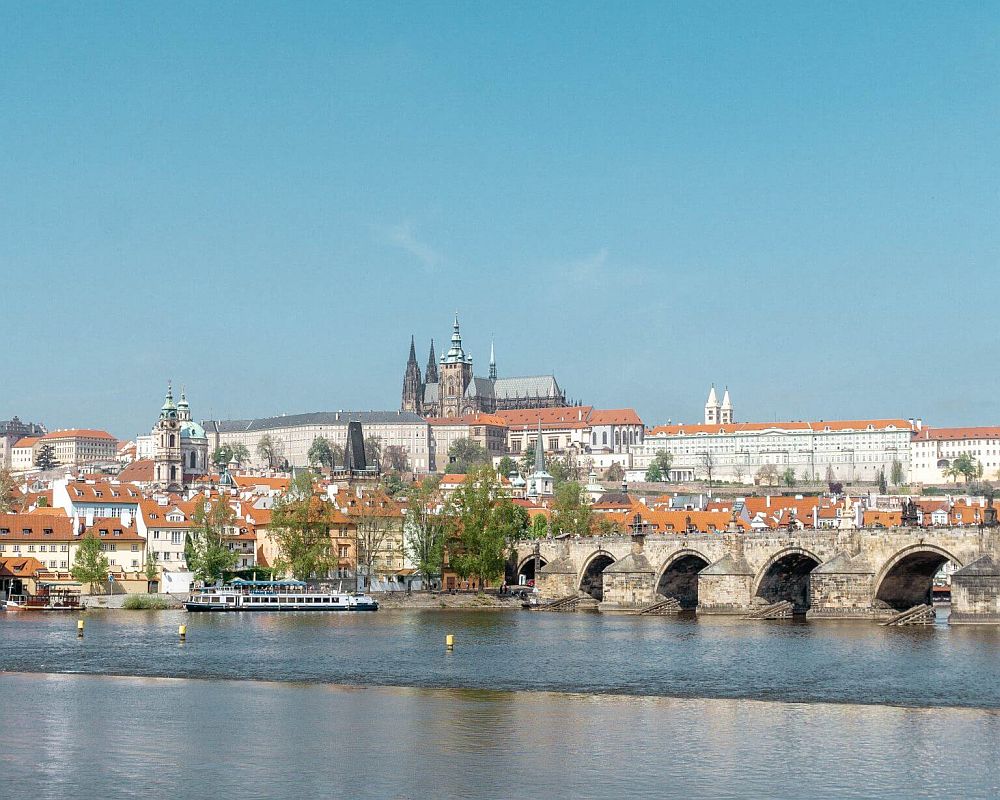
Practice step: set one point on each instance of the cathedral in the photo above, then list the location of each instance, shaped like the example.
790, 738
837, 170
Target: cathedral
449, 389
180, 445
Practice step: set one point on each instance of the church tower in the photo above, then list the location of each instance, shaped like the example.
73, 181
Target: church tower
726, 411
712, 408
431, 375
493, 363
411, 383
168, 472
456, 375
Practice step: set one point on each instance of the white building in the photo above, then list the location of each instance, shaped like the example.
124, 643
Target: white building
843, 450
294, 434
934, 449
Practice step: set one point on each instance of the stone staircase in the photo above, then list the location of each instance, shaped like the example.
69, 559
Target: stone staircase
572, 602
781, 610
918, 615
668, 605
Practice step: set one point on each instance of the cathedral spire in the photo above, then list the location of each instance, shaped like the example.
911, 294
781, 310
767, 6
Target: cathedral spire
413, 352
431, 376
456, 355
493, 362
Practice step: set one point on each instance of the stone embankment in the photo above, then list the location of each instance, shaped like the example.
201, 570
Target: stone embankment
466, 601
115, 601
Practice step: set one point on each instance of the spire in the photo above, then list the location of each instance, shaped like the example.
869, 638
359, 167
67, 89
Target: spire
183, 409
431, 375
493, 362
455, 355
539, 450
168, 409
413, 352
727, 404
713, 400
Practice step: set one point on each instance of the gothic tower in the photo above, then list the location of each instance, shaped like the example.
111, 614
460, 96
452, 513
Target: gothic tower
456, 374
167, 469
431, 374
411, 383
493, 363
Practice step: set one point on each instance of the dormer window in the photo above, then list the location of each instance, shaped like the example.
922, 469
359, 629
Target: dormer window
47, 532
26, 531
104, 532
118, 531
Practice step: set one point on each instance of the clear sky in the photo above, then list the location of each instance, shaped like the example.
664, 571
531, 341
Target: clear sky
263, 201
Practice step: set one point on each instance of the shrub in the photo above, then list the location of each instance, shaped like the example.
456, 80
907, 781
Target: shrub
145, 602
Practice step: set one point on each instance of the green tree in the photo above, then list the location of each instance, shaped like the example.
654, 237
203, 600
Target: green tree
660, 465
90, 565
967, 467
150, 566
392, 484
207, 552
300, 526
463, 455
606, 526
539, 527
424, 531
570, 511
222, 455
483, 524
321, 453
45, 459
653, 474
880, 481
9, 493
560, 471
788, 477
268, 451
241, 454
896, 473
506, 466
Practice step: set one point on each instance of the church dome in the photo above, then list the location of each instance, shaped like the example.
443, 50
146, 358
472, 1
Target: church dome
192, 430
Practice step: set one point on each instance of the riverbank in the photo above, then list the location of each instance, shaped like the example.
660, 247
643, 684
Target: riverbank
466, 601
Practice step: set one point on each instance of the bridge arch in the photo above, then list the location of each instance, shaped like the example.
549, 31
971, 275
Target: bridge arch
527, 568
907, 578
678, 577
591, 576
785, 576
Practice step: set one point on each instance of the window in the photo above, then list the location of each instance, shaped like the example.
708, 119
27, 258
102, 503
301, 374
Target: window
135, 548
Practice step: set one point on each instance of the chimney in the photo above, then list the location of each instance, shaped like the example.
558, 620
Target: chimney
767, 499
920, 424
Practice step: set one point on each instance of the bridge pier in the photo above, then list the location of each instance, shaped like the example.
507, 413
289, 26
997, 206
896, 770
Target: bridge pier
629, 583
557, 579
841, 588
975, 593
725, 587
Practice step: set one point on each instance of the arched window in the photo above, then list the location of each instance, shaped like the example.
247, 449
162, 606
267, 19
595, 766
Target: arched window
172, 440
604, 437
173, 472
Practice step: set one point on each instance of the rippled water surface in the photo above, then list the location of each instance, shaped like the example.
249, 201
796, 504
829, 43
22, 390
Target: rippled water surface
847, 662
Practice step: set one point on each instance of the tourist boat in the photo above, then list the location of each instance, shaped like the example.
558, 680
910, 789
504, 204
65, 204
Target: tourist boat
49, 597
241, 595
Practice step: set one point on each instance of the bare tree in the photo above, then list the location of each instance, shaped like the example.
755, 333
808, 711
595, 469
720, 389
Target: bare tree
708, 467
375, 522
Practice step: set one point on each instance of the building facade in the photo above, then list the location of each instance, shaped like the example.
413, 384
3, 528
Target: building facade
11, 432
487, 430
934, 450
77, 446
180, 445
294, 434
845, 450
450, 389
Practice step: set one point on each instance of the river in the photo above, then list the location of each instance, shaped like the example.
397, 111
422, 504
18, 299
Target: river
551, 705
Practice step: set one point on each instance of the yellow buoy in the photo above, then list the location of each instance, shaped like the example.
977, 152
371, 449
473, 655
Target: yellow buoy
449, 641
182, 631
79, 629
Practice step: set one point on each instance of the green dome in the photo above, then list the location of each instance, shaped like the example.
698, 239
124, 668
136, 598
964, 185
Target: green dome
192, 430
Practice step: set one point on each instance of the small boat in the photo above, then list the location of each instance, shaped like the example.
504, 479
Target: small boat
49, 597
241, 595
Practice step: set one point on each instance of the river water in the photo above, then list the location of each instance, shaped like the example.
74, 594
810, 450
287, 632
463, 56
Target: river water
536, 705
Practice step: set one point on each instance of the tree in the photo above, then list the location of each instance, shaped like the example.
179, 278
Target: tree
241, 454
607, 526
392, 483
835, 487
424, 532
483, 523
300, 526
90, 565
653, 474
708, 467
570, 511
463, 455
768, 474
374, 522
208, 555
883, 486
539, 527
788, 477
616, 472
268, 451
896, 473
8, 492
222, 455
560, 471
150, 568
965, 466
738, 472
373, 451
663, 460
395, 458
506, 466
321, 453
830, 477
46, 457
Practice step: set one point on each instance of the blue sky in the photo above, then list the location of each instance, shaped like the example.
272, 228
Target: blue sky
263, 201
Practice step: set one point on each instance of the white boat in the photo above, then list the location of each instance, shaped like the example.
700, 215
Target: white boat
241, 595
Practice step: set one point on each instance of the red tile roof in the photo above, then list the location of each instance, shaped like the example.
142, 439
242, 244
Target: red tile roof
752, 427
80, 433
938, 434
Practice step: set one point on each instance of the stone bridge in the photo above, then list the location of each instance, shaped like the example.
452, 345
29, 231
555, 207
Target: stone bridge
824, 573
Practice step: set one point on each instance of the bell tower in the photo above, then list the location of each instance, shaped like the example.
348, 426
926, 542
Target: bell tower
168, 472
455, 375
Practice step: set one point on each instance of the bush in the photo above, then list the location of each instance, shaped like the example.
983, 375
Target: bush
146, 602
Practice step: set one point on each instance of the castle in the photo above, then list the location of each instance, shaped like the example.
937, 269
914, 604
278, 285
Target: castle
449, 389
